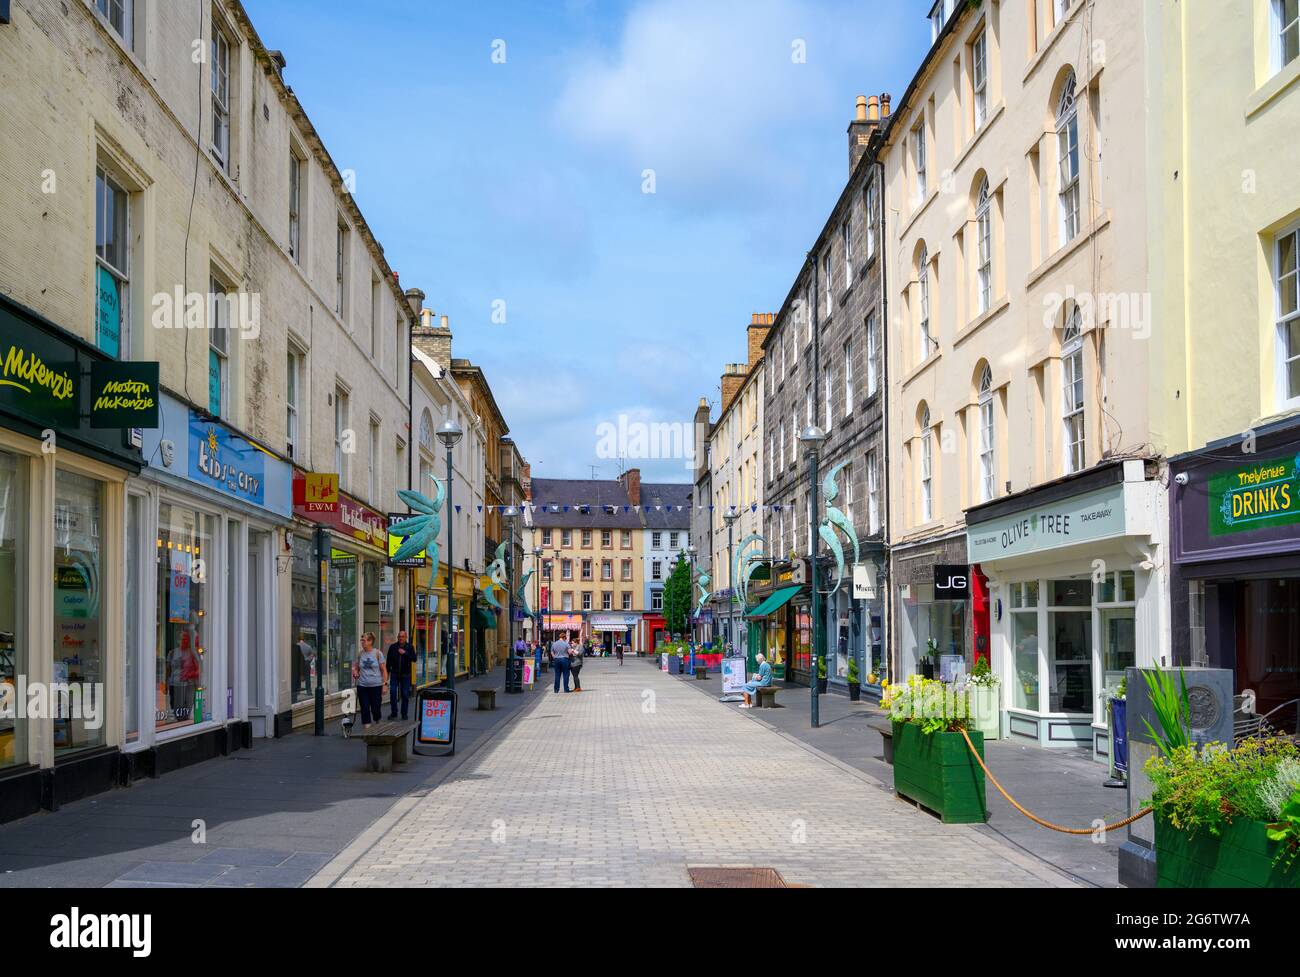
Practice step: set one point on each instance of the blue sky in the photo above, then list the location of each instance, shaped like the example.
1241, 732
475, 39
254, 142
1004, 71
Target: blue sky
522, 182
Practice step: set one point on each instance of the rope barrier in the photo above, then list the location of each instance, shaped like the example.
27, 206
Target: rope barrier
1035, 818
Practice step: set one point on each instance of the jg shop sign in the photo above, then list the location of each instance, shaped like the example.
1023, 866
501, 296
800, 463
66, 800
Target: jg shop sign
951, 581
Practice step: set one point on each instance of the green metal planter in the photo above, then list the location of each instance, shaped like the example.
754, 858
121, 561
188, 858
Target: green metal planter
938, 772
1241, 857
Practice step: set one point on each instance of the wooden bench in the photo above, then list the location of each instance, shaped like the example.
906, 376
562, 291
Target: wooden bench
487, 699
701, 672
386, 744
765, 696
886, 730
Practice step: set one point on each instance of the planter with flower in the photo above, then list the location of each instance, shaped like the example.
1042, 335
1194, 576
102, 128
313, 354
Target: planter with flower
822, 681
855, 683
986, 708
932, 764
1225, 817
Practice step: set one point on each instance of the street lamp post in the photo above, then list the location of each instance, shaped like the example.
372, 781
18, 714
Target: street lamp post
730, 519
449, 433
537, 600
690, 601
812, 437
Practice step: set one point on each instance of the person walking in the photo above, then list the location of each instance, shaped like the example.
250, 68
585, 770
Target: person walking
537, 658
575, 665
370, 673
619, 646
560, 662
401, 660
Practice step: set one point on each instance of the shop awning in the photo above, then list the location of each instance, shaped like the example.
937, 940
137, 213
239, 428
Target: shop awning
485, 618
775, 601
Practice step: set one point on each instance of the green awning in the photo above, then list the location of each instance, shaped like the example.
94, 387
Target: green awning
775, 601
485, 618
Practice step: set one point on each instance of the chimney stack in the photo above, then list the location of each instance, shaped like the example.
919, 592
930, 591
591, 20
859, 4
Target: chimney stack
631, 480
415, 299
866, 119
433, 341
760, 324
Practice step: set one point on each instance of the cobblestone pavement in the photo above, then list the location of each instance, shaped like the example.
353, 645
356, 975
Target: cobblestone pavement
639, 777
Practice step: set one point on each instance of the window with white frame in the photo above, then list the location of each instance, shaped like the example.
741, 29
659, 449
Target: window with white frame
293, 402
984, 236
927, 467
674, 539
1061, 8
873, 344
1286, 32
808, 405
375, 480
918, 160
873, 494
1287, 277
850, 497
656, 600
297, 168
988, 467
846, 242
829, 387
1067, 146
980, 77
771, 455
794, 437
566, 601
780, 520
341, 261
376, 304
627, 600
780, 455
606, 569
566, 569
566, 538
828, 286
657, 541
341, 434
1072, 392
656, 570
923, 304
869, 217
221, 97
848, 378
112, 266
586, 569
807, 312
219, 348
586, 600
120, 15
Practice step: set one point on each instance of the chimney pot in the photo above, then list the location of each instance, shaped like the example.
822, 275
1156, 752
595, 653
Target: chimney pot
884, 105
443, 322
873, 108
862, 108
415, 299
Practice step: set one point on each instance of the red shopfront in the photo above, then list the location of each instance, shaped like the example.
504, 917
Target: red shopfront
363, 592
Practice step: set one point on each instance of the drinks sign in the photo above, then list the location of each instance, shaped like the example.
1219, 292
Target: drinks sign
1255, 497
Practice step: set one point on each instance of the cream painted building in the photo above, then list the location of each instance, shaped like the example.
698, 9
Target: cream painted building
1028, 520
167, 200
735, 458
1224, 235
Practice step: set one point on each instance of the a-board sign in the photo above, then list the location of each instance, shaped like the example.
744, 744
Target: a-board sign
435, 718
733, 675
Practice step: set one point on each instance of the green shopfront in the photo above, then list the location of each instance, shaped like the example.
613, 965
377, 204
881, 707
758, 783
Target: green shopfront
62, 502
1076, 596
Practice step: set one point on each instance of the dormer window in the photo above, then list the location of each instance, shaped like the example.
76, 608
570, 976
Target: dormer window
939, 15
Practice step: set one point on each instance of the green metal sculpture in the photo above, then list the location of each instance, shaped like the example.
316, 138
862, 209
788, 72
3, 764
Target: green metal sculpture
422, 527
837, 520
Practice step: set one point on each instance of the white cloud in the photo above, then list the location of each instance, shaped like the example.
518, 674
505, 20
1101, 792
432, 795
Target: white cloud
703, 93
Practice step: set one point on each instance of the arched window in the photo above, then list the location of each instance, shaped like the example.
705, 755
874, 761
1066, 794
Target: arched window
984, 232
1067, 146
927, 466
426, 430
1072, 391
923, 303
988, 460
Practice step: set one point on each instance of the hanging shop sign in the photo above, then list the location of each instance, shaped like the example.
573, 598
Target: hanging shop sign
864, 581
349, 517
564, 622
315, 492
43, 392
951, 581
614, 622
124, 395
394, 543
1258, 496
1093, 516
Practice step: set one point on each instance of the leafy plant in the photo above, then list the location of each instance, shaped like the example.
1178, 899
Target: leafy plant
1169, 702
1286, 831
853, 672
1274, 794
983, 676
821, 668
931, 704
1205, 790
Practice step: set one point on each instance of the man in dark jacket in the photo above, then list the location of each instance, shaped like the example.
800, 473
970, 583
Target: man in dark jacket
401, 660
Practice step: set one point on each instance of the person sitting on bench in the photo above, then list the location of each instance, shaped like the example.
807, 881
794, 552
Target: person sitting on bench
762, 679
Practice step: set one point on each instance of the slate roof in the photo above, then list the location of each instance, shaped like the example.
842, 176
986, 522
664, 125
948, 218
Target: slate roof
570, 492
666, 494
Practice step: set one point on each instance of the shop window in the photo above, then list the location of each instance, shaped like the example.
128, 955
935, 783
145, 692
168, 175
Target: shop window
182, 665
78, 610
341, 620
1069, 671
1268, 644
14, 516
1024, 645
